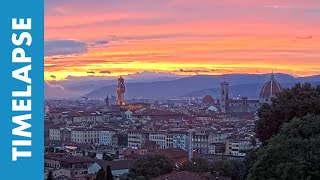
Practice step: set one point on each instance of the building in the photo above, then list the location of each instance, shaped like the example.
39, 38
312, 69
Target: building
200, 141
160, 138
224, 96
269, 90
74, 165
65, 135
106, 137
180, 139
85, 135
237, 146
137, 138
244, 105
216, 148
208, 100
118, 168
54, 134
120, 91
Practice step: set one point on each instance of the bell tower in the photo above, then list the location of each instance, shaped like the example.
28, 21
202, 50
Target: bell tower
224, 97
120, 91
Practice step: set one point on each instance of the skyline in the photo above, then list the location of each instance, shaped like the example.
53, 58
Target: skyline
110, 38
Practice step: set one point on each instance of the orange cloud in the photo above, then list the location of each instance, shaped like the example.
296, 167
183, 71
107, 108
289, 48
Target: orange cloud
204, 37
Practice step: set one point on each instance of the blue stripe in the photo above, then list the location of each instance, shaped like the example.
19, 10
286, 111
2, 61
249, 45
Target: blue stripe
24, 168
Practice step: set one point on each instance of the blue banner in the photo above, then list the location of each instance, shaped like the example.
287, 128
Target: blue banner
21, 89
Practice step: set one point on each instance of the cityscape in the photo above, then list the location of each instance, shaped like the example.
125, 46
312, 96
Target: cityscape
83, 135
182, 90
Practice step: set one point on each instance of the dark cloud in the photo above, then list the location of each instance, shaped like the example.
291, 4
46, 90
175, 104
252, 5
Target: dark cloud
64, 47
197, 71
53, 76
91, 72
102, 42
105, 72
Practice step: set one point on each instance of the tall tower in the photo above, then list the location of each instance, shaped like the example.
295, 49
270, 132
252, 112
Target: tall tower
224, 105
107, 101
190, 150
120, 91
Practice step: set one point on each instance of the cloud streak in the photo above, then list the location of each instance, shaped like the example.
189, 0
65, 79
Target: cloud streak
64, 47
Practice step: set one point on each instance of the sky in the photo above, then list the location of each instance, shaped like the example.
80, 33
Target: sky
186, 37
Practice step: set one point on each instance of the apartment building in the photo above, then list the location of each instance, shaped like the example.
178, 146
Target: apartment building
137, 138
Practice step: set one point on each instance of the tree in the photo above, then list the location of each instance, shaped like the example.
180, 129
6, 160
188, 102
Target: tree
230, 168
92, 155
122, 139
140, 178
101, 174
292, 154
106, 157
250, 159
151, 166
50, 175
196, 165
298, 101
109, 173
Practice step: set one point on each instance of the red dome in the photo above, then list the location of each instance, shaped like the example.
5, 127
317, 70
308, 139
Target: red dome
271, 88
208, 100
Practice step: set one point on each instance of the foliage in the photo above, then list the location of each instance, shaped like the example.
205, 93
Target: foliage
292, 154
140, 178
151, 166
109, 173
122, 139
101, 174
104, 175
50, 175
250, 159
106, 157
230, 168
196, 165
298, 101
92, 155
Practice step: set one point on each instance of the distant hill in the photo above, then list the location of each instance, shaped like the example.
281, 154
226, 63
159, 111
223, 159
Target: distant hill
200, 85
78, 86
243, 90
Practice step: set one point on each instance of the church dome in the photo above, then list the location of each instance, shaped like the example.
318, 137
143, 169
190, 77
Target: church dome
271, 88
208, 100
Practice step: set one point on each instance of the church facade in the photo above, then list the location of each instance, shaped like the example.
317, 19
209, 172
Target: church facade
268, 91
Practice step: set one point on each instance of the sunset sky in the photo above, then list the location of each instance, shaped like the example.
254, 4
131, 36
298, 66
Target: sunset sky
187, 37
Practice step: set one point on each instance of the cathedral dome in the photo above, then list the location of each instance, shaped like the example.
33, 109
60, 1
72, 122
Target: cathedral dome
208, 100
270, 89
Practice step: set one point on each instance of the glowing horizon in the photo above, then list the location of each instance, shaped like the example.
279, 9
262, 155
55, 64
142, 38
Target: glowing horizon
101, 38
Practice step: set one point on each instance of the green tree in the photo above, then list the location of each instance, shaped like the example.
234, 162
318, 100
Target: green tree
196, 165
92, 155
50, 175
250, 159
292, 154
140, 178
106, 157
101, 174
151, 166
298, 101
122, 139
230, 168
109, 173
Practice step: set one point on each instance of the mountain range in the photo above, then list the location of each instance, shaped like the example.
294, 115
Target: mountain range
200, 85
166, 85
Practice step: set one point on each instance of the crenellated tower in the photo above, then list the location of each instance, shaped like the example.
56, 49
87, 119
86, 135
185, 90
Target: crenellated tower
120, 91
